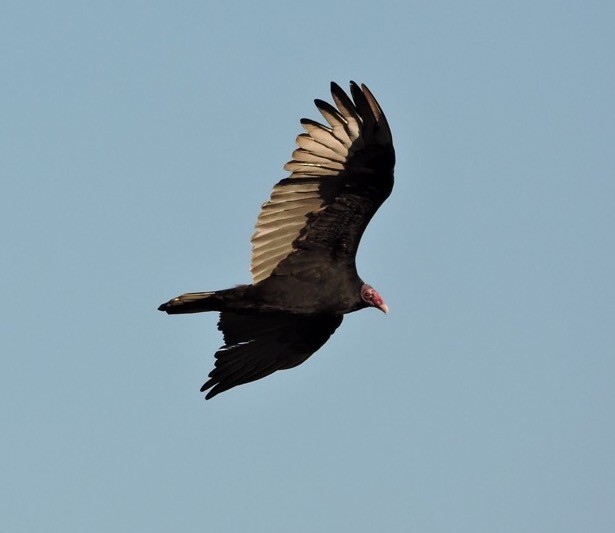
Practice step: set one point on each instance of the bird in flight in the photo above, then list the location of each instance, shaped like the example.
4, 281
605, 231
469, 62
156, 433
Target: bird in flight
304, 277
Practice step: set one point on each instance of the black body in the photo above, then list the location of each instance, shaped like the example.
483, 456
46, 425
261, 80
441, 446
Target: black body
304, 247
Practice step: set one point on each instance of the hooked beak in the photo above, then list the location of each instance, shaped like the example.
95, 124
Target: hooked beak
384, 308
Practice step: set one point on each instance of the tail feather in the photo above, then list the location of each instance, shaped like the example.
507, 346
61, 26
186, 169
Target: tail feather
192, 302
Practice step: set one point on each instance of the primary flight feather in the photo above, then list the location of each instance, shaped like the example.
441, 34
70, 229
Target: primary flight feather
304, 277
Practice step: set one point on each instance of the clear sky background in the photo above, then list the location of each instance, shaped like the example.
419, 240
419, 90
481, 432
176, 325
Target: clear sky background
137, 143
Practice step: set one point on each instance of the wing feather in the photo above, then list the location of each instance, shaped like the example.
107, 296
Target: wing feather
306, 143
340, 174
324, 136
336, 121
288, 208
258, 345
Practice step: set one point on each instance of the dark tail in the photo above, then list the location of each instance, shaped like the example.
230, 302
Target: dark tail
192, 302
236, 299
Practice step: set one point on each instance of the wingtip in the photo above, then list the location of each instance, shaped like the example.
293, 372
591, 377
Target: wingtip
213, 392
335, 87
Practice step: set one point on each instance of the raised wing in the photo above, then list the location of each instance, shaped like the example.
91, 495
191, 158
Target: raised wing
258, 345
340, 175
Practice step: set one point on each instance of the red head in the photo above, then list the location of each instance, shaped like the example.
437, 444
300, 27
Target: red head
371, 297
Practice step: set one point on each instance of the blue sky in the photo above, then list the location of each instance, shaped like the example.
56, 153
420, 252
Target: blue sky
138, 141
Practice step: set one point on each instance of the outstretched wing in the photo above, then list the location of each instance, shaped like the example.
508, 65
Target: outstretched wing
258, 345
340, 175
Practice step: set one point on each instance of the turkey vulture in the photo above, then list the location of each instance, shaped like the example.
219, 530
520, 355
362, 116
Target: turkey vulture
303, 250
